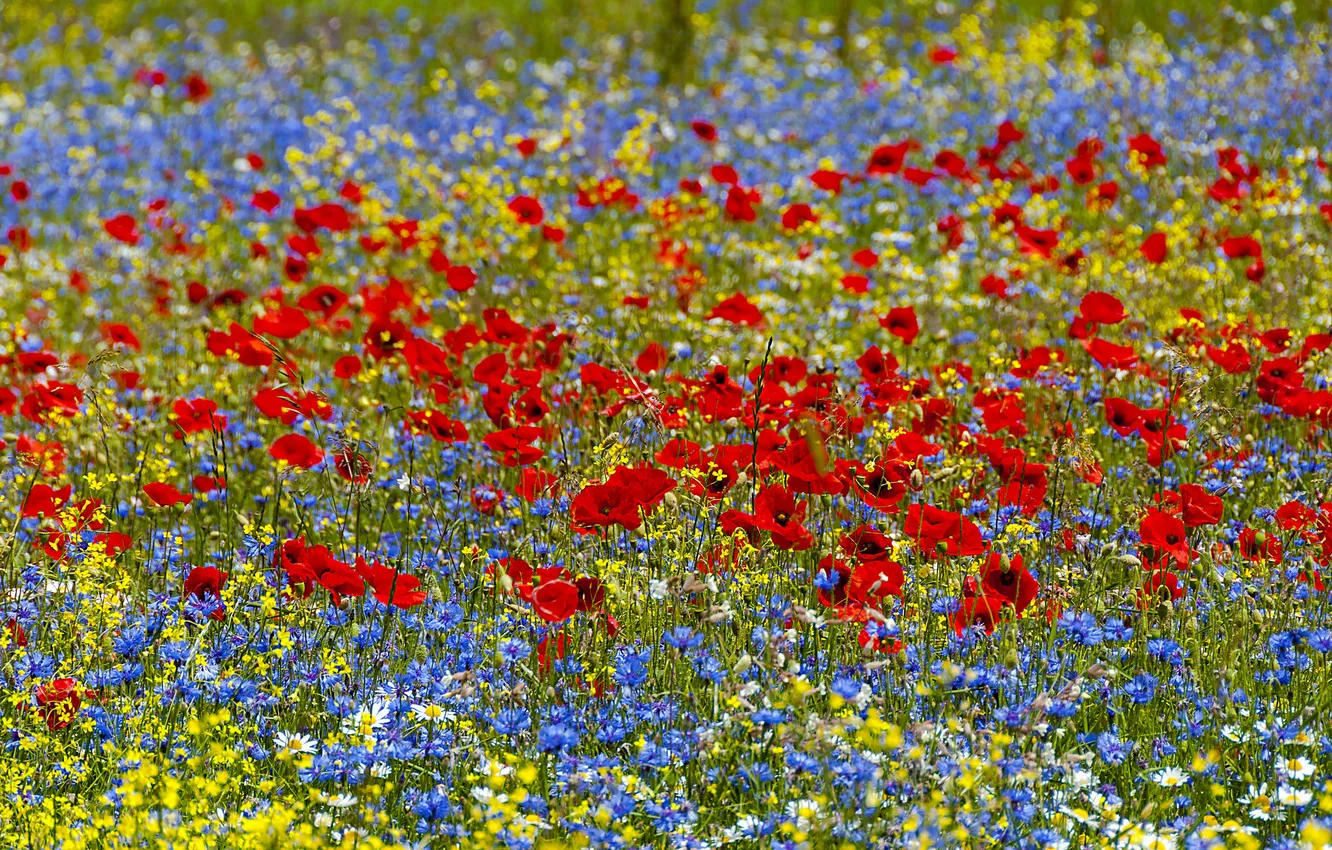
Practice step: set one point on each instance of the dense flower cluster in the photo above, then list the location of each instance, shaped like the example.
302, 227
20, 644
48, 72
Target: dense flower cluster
918, 444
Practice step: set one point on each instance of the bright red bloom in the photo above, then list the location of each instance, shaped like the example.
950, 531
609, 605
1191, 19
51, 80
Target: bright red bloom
58, 703
196, 415
1010, 580
207, 583
1101, 308
526, 209
43, 500
1154, 248
555, 601
888, 159
738, 310
1146, 150
777, 512
1123, 416
123, 228
1160, 586
391, 587
985, 611
901, 322
1259, 546
1165, 534
937, 531
514, 445
165, 496
296, 450
1199, 507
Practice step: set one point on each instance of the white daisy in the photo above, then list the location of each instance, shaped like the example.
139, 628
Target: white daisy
294, 743
366, 721
431, 713
1170, 777
1298, 767
1293, 797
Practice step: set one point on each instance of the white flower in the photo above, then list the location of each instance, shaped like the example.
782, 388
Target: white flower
1234, 733
366, 721
1298, 767
431, 713
1170, 777
802, 812
342, 801
293, 743
1261, 804
1294, 797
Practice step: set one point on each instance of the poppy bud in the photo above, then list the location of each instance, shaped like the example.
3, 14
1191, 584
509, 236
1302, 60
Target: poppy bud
1012, 659
743, 664
1005, 564
917, 479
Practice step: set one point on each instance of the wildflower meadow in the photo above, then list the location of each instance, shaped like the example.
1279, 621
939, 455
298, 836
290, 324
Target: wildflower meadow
906, 427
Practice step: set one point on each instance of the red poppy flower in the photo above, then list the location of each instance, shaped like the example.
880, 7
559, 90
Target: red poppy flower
1259, 546
829, 181
1101, 308
704, 130
740, 203
1160, 586
985, 611
526, 209
196, 415
117, 334
296, 450
385, 338
888, 159
936, 530
165, 496
197, 88
267, 200
738, 310
123, 228
1154, 248
1165, 534
798, 214
207, 583
1146, 151
332, 217
777, 512
391, 587
901, 322
514, 445
45, 501
1109, 355
1198, 507
873, 581
1010, 580
58, 703
555, 601
323, 299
